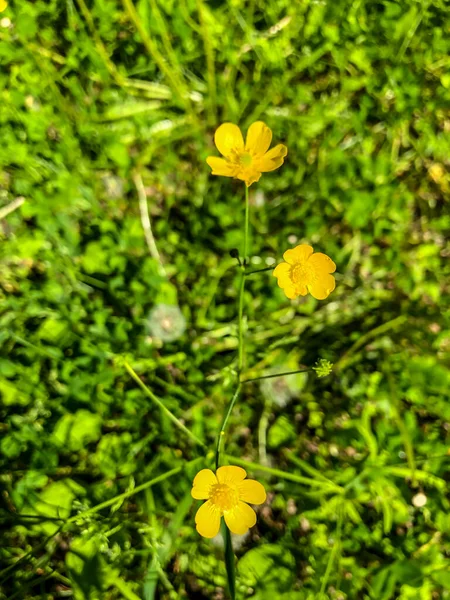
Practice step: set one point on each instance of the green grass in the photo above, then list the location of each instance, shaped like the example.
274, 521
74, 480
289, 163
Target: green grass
107, 108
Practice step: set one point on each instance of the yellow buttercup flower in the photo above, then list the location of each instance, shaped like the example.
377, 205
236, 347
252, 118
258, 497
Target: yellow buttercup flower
245, 161
226, 493
3, 5
305, 272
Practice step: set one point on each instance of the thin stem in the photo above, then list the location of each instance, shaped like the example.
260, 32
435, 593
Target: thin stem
404, 433
333, 554
158, 402
156, 56
101, 49
262, 434
224, 425
333, 487
209, 51
259, 271
373, 333
146, 223
14, 205
242, 287
276, 375
246, 225
229, 561
136, 490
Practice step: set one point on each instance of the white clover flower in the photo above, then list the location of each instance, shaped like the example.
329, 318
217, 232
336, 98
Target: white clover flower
113, 186
166, 322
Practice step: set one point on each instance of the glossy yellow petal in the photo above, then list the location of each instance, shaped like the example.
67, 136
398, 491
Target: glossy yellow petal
283, 274
299, 254
322, 263
207, 520
220, 166
227, 138
252, 491
282, 269
259, 138
3, 5
323, 287
202, 484
250, 178
231, 475
294, 291
240, 518
273, 159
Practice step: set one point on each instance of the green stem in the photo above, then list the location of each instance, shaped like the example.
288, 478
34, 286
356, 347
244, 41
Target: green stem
246, 225
259, 271
333, 554
209, 51
136, 490
229, 561
333, 487
242, 287
276, 375
262, 434
404, 433
157, 57
229, 555
158, 402
224, 425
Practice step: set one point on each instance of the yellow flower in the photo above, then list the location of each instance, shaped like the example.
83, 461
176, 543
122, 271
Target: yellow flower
245, 162
3, 5
226, 493
305, 272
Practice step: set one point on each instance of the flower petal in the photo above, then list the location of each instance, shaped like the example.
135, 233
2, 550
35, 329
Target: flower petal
273, 159
323, 287
220, 166
293, 291
322, 262
253, 177
207, 520
252, 491
228, 137
283, 274
259, 138
231, 475
240, 518
282, 269
202, 484
299, 254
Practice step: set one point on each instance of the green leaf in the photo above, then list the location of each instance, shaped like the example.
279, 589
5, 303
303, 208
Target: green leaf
75, 431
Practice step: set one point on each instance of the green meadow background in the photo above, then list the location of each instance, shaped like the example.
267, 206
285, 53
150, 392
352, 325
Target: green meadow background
107, 107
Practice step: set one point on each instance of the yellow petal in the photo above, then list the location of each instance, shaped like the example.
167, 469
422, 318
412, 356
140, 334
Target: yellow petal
299, 254
273, 159
281, 269
322, 263
227, 138
207, 520
252, 491
259, 137
3, 5
323, 287
283, 274
240, 518
293, 291
220, 166
253, 177
202, 484
230, 475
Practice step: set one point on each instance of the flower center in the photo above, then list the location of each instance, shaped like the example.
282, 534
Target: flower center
224, 496
245, 159
303, 273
